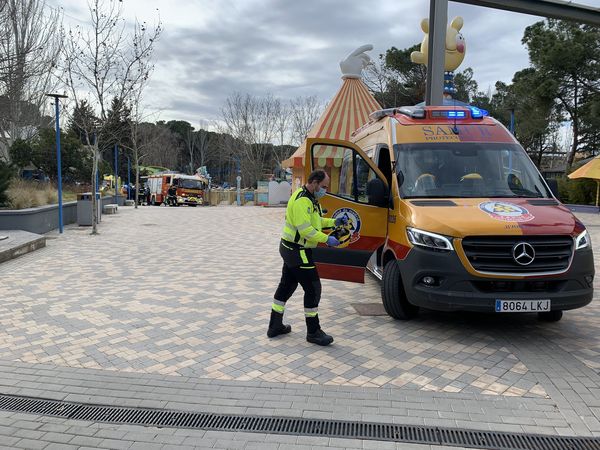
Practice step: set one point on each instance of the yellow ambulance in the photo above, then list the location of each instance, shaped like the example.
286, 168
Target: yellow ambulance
450, 213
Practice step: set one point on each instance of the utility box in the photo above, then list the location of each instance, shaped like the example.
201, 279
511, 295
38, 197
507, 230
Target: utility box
84, 208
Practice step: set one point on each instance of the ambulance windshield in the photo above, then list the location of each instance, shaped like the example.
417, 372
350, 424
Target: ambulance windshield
463, 169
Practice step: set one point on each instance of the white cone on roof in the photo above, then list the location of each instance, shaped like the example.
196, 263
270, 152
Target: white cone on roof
348, 110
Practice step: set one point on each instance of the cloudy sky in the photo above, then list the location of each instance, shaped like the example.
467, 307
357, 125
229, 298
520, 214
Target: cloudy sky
210, 48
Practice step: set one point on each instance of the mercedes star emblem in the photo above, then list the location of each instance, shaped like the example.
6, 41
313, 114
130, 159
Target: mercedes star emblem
523, 253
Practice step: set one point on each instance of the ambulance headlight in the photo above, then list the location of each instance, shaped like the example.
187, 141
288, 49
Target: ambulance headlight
430, 240
583, 241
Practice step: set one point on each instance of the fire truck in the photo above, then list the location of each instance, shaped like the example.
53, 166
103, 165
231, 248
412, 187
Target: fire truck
190, 189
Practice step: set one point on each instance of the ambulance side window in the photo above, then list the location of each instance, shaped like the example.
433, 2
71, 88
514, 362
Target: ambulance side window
364, 174
346, 175
349, 173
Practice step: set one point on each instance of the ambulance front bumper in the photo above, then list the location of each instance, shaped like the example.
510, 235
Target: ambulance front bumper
439, 281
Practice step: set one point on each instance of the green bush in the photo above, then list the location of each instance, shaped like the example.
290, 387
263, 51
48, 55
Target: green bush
6, 174
581, 191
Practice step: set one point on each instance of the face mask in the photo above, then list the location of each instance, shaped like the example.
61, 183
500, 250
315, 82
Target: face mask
320, 193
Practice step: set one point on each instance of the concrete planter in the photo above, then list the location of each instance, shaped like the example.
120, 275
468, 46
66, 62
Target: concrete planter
42, 219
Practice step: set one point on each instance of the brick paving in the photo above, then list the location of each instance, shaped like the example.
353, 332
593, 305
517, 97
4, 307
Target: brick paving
167, 307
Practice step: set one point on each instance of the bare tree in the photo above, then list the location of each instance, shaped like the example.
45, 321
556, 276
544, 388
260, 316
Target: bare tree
305, 111
253, 122
283, 122
377, 77
226, 147
157, 142
104, 62
191, 139
139, 143
30, 43
202, 142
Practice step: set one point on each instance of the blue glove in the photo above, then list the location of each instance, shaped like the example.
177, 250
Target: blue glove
332, 241
343, 220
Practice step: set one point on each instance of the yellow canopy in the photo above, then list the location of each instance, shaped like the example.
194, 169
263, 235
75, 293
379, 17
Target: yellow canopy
589, 170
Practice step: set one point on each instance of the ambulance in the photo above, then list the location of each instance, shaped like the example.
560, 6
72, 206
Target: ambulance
450, 213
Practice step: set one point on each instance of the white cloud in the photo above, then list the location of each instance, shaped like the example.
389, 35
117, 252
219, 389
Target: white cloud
211, 49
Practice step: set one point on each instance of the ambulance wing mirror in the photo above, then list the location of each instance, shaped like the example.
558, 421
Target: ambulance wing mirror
377, 193
400, 177
553, 185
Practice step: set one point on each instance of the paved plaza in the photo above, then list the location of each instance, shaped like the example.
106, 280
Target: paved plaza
168, 308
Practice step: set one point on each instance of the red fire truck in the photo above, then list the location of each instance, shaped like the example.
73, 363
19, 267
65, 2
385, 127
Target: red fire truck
190, 189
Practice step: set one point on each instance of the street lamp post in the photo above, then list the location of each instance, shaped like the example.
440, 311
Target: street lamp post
58, 158
116, 176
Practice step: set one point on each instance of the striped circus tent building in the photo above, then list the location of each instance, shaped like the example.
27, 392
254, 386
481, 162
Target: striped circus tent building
349, 109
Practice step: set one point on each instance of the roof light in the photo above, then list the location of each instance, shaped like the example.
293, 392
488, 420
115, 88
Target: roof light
412, 111
478, 113
452, 114
376, 115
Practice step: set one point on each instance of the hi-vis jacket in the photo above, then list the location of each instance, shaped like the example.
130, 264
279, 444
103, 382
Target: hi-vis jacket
303, 221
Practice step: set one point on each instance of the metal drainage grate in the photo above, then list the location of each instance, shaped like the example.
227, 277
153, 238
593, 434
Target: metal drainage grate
297, 426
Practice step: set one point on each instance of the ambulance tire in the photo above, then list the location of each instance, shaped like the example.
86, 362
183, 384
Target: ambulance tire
392, 293
550, 316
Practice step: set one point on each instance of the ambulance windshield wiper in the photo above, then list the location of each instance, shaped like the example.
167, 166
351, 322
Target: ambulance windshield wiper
513, 196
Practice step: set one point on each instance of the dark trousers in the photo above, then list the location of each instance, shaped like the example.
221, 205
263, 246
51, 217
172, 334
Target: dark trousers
300, 269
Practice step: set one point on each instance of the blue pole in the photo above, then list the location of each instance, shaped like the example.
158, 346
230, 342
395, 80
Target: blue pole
97, 169
60, 207
116, 177
512, 121
238, 179
128, 178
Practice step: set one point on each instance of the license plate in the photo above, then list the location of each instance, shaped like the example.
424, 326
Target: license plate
522, 305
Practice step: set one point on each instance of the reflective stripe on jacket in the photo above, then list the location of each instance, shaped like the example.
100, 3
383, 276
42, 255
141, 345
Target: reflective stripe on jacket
303, 221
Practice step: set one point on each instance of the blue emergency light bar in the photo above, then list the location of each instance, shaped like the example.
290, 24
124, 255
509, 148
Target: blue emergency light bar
449, 114
478, 113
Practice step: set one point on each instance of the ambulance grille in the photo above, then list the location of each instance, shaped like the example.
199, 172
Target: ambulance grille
495, 253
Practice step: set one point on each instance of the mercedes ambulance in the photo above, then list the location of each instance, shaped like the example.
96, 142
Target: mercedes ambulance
448, 210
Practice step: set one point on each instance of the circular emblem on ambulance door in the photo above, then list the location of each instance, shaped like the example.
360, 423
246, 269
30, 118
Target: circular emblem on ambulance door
353, 220
507, 212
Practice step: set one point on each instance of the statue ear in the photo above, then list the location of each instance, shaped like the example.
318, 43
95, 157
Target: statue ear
457, 23
425, 25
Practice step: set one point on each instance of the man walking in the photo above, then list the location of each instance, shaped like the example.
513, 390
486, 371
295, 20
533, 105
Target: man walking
301, 233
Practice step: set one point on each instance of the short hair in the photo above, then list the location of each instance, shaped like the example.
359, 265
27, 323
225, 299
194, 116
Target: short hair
317, 175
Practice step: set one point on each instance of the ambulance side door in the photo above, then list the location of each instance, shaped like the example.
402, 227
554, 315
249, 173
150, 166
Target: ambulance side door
358, 191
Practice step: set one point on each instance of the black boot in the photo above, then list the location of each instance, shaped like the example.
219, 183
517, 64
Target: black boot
276, 326
319, 338
314, 333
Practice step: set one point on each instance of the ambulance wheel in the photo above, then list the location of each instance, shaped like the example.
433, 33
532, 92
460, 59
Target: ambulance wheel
392, 293
550, 316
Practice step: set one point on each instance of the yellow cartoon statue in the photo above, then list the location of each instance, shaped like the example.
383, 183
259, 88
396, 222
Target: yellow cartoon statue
456, 48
